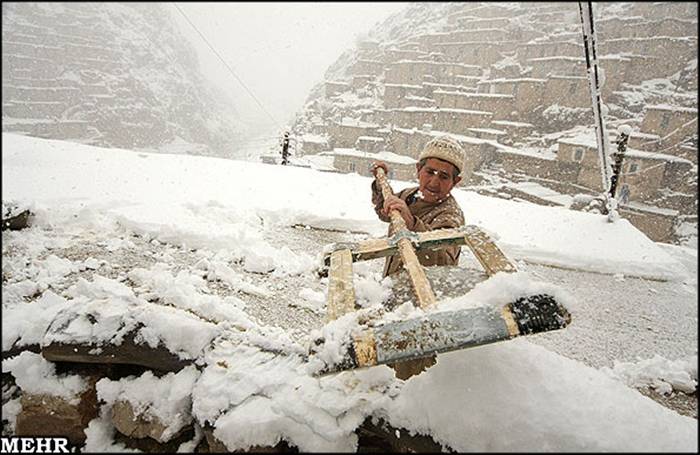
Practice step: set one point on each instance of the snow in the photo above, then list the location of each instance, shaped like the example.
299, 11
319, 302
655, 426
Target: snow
522, 397
667, 107
255, 385
36, 376
659, 373
166, 398
389, 157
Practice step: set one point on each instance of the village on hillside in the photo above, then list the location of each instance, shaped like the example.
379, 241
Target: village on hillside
509, 82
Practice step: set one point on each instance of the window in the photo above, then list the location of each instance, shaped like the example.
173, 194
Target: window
578, 155
632, 168
573, 88
352, 166
665, 118
391, 173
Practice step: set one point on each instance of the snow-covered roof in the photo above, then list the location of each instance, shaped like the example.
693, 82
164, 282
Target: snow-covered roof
417, 87
588, 140
650, 208
435, 109
516, 80
487, 131
515, 124
451, 64
389, 157
562, 76
315, 138
473, 95
346, 121
668, 107
371, 138
555, 58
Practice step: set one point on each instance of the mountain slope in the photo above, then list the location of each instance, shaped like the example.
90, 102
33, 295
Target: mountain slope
111, 74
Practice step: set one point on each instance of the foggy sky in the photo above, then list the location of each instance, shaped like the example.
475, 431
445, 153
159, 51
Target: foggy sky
279, 50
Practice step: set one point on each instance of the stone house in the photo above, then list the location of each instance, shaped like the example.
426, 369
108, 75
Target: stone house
468, 22
476, 34
360, 81
643, 172
373, 67
663, 119
555, 18
429, 88
333, 88
560, 65
568, 48
413, 71
545, 166
674, 51
350, 160
443, 119
526, 92
477, 53
345, 133
394, 93
311, 144
394, 55
493, 10
567, 91
663, 9
500, 105
515, 131
370, 144
487, 133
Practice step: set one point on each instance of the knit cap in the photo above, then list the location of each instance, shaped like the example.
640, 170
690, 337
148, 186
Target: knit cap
446, 149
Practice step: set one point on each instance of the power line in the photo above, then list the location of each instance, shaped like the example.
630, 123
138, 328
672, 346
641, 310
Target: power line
227, 66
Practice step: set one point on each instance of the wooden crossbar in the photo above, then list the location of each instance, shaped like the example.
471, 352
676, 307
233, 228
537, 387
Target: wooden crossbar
486, 251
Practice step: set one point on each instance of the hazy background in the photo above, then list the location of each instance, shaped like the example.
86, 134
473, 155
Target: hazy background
279, 50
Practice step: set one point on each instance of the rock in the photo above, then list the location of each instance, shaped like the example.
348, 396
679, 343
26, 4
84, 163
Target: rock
149, 445
16, 222
128, 352
382, 437
18, 349
47, 415
140, 425
216, 446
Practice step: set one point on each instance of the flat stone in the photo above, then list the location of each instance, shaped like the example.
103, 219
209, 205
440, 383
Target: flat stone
128, 352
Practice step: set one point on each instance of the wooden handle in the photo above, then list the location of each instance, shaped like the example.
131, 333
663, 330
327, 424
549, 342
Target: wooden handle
397, 221
419, 281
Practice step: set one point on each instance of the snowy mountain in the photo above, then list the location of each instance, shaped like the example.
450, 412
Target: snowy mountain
167, 302
112, 74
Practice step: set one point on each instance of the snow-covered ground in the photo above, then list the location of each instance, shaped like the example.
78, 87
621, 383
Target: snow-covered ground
139, 226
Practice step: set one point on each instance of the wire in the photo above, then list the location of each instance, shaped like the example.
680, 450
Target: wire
228, 67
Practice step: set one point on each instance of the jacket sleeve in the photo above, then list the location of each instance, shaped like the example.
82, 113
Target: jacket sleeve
378, 201
444, 256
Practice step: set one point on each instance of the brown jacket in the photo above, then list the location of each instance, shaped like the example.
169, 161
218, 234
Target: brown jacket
429, 216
